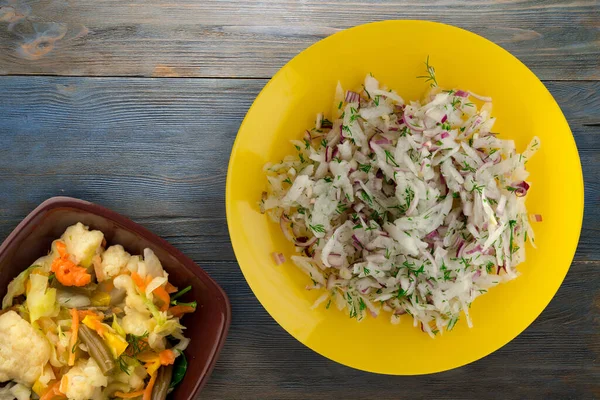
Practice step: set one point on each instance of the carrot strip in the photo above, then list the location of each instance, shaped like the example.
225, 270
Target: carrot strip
129, 395
66, 271
74, 332
170, 288
148, 390
53, 392
62, 249
139, 281
167, 357
85, 313
178, 311
162, 294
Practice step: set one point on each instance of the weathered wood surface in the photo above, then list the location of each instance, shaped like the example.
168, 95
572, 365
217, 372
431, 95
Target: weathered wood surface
156, 150
213, 38
555, 358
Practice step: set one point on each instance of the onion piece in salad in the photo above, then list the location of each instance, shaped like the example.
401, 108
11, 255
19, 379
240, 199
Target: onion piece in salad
417, 208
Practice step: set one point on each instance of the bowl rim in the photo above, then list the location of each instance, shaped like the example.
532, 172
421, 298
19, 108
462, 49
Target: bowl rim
235, 149
139, 230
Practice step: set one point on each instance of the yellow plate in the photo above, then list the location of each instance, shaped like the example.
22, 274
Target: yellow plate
394, 51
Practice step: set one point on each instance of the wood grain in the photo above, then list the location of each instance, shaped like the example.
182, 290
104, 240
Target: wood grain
555, 358
558, 40
156, 150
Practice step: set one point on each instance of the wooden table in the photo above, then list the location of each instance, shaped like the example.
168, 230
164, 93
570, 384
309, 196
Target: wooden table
135, 105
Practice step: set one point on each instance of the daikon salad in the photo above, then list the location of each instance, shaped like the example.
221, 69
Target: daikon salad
89, 321
401, 207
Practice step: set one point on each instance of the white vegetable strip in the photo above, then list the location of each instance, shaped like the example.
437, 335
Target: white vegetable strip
412, 208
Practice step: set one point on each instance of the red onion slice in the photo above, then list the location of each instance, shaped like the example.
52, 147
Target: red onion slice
460, 248
409, 122
328, 154
536, 217
279, 258
306, 242
285, 229
352, 97
521, 189
474, 249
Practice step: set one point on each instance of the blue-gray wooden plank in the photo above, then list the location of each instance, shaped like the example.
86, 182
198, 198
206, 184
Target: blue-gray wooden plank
557, 39
555, 358
156, 150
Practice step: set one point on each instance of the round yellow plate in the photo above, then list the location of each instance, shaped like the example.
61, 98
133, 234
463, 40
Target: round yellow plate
395, 51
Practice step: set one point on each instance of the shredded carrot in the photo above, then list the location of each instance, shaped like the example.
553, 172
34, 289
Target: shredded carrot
53, 392
129, 395
178, 311
139, 281
66, 271
167, 357
74, 332
162, 294
170, 288
148, 390
62, 249
85, 313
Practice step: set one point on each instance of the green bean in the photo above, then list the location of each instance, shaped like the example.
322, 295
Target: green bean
98, 349
163, 380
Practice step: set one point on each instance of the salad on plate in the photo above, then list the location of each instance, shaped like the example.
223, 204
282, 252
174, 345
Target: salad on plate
403, 207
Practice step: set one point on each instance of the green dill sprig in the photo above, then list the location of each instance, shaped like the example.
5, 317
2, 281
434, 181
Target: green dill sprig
317, 228
430, 77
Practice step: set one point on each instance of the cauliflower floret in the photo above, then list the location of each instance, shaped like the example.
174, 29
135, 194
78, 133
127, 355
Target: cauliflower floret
82, 243
83, 380
137, 323
135, 264
23, 351
134, 376
114, 261
133, 299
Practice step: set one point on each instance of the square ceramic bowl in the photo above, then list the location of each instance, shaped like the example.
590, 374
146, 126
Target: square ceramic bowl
207, 327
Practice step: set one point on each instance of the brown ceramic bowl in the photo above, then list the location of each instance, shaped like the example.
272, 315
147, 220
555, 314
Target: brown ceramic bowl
207, 327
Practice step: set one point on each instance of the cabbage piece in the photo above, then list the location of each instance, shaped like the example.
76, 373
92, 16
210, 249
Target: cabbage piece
16, 287
153, 265
71, 299
41, 301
